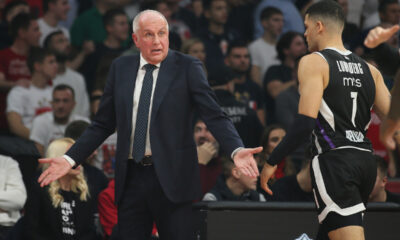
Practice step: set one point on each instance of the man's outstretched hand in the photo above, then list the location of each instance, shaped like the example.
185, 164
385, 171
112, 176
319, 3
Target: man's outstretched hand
244, 160
379, 35
59, 166
267, 172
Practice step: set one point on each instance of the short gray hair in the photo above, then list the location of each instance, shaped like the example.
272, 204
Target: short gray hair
135, 22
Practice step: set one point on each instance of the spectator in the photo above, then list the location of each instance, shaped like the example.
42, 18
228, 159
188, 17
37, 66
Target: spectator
117, 32
216, 36
246, 91
233, 185
89, 25
62, 210
25, 33
379, 193
12, 194
293, 19
293, 188
195, 48
23, 104
10, 10
389, 14
95, 177
175, 25
59, 44
208, 155
287, 101
51, 125
280, 77
263, 50
180, 13
241, 17
244, 118
54, 12
271, 137
108, 212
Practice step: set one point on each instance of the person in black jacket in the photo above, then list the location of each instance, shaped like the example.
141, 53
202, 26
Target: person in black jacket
62, 210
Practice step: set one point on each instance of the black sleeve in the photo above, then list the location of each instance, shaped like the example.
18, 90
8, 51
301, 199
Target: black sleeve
387, 58
298, 133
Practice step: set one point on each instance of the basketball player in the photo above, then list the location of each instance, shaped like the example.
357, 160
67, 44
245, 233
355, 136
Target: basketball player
337, 91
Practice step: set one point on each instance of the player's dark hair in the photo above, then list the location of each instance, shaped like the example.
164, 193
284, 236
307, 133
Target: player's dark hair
268, 12
327, 9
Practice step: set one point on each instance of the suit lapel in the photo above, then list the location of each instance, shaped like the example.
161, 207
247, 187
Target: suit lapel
167, 72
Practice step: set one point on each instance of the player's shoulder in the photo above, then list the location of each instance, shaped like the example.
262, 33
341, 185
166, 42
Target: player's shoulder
313, 61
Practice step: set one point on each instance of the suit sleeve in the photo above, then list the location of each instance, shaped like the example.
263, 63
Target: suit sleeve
103, 125
216, 120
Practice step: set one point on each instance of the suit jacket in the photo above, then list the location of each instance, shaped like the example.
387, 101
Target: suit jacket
181, 89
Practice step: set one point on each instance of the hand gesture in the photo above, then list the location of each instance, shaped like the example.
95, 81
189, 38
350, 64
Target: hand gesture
59, 166
206, 152
379, 35
244, 160
267, 172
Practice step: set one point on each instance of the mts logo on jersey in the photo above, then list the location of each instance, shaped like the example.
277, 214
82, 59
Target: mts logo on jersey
349, 67
351, 82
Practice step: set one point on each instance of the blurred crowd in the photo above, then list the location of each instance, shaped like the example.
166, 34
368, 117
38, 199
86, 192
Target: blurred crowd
54, 61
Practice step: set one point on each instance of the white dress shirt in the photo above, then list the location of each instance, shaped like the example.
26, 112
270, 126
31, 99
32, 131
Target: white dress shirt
136, 97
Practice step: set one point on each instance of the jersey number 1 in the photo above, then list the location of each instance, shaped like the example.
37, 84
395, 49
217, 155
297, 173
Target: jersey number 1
353, 95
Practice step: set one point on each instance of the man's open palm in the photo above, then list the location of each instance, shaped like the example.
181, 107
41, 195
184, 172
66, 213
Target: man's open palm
245, 161
57, 169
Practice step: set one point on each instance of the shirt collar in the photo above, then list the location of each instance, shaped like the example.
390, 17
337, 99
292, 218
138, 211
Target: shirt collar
144, 62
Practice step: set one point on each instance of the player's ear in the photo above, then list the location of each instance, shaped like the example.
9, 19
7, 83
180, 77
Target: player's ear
320, 26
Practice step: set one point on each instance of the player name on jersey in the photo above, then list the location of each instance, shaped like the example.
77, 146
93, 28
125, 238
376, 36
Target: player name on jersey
350, 67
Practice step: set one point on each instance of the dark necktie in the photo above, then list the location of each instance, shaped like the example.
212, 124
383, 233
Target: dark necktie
139, 140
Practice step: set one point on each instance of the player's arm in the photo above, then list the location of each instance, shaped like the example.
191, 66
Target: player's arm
382, 94
312, 75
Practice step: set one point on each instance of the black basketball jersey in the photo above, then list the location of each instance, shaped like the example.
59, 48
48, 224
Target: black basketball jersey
344, 114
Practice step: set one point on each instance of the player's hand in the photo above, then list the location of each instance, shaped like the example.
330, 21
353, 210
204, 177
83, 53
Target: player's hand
379, 35
59, 166
244, 160
267, 172
206, 152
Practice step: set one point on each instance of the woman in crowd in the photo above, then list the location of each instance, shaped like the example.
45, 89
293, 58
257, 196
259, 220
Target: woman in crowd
62, 210
272, 136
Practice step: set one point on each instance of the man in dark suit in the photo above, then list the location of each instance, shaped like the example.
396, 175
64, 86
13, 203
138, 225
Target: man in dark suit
150, 99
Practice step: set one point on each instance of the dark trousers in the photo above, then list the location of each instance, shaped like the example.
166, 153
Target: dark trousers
144, 202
